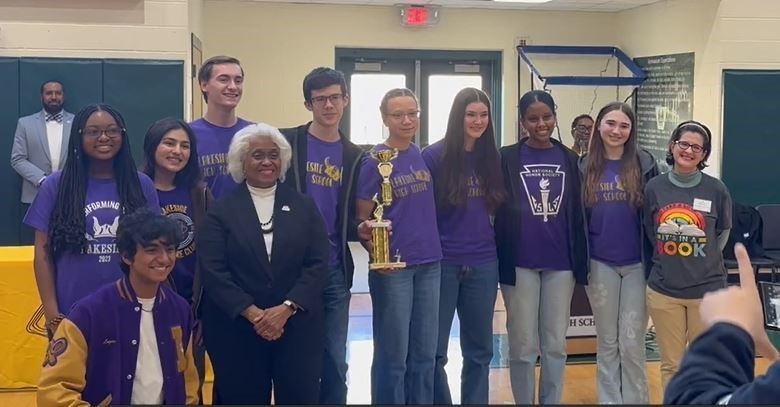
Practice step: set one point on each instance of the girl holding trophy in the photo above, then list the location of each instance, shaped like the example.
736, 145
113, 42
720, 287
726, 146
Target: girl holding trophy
395, 185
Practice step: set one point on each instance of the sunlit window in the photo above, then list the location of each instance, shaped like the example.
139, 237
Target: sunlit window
442, 91
366, 91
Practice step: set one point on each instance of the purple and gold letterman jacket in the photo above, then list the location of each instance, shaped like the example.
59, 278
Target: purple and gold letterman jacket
92, 357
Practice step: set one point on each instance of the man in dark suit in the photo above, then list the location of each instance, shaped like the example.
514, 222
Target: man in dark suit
41, 145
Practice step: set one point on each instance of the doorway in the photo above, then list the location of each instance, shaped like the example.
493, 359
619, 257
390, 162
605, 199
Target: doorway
434, 76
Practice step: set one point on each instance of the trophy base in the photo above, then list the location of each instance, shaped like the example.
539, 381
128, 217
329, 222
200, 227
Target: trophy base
387, 266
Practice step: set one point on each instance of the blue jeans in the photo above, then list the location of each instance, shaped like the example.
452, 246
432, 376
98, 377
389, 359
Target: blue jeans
472, 290
617, 298
336, 296
405, 323
537, 318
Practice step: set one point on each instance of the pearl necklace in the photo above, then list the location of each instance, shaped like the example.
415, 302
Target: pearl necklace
267, 227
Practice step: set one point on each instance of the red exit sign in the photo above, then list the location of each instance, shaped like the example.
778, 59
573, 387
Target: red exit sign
419, 16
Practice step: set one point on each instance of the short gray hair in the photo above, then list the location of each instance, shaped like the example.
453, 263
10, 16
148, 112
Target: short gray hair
239, 147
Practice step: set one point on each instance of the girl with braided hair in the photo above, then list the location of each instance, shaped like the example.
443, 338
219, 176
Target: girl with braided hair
77, 211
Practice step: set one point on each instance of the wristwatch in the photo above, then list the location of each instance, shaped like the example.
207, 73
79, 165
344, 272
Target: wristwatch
292, 306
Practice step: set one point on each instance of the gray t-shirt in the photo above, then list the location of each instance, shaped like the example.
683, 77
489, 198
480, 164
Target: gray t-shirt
684, 223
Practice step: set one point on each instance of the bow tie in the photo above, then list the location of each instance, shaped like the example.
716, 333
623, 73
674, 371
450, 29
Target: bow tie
57, 117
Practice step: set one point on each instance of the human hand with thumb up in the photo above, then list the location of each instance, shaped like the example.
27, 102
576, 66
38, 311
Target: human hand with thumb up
740, 306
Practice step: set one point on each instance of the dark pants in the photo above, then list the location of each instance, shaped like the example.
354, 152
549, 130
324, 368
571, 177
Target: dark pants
247, 367
26, 233
472, 292
333, 387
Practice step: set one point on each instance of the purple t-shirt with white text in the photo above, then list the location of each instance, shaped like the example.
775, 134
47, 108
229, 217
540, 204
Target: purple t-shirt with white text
79, 274
413, 210
613, 226
176, 204
466, 232
324, 167
544, 228
213, 144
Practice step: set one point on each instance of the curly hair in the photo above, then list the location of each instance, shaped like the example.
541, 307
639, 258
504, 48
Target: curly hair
142, 227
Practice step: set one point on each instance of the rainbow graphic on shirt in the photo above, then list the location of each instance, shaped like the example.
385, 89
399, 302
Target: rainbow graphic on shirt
680, 231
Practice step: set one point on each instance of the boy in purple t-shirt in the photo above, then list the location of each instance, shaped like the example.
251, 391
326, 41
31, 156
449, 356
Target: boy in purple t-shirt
325, 167
221, 82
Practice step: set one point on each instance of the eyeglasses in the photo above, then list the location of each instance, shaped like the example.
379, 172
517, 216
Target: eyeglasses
261, 155
93, 133
684, 145
583, 129
401, 116
322, 100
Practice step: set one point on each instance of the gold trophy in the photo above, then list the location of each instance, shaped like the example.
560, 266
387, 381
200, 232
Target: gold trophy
380, 234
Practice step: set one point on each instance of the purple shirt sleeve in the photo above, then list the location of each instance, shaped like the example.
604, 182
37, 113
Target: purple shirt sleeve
431, 155
369, 179
39, 214
150, 193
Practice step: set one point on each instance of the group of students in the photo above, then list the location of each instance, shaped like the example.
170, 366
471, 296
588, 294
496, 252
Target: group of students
466, 216
539, 219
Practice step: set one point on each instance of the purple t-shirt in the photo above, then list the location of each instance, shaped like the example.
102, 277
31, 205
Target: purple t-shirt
79, 274
544, 229
176, 204
613, 226
324, 167
413, 211
213, 143
466, 232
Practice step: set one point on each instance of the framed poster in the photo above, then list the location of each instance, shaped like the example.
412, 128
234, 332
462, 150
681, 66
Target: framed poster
664, 100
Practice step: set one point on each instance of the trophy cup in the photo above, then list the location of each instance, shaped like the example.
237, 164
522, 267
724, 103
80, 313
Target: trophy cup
380, 234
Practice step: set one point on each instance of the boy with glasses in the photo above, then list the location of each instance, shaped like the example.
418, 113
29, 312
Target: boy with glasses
325, 167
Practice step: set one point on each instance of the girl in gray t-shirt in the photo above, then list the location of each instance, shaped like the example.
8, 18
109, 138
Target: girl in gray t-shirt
688, 217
